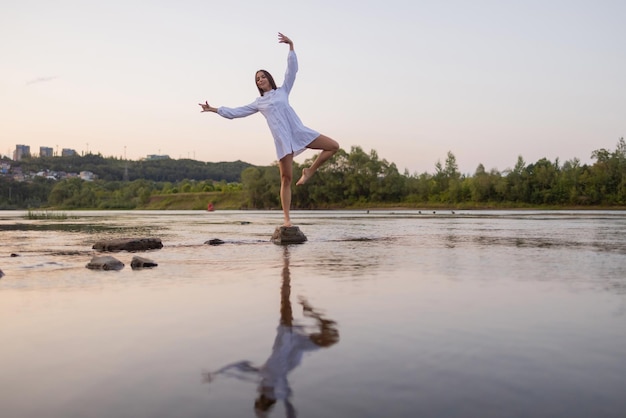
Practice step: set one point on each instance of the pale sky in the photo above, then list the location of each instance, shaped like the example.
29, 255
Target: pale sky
487, 80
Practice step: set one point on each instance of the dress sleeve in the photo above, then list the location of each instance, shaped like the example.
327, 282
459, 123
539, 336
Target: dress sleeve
292, 69
237, 112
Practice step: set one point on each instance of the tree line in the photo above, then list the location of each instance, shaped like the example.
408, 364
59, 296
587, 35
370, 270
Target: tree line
349, 179
75, 193
358, 179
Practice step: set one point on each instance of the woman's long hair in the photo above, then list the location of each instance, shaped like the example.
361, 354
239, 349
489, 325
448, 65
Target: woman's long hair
269, 77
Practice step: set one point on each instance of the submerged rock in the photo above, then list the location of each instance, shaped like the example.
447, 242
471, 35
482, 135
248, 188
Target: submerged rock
105, 262
288, 235
128, 244
140, 263
14, 255
1, 274
215, 241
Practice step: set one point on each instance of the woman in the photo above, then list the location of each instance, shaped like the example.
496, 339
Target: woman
291, 137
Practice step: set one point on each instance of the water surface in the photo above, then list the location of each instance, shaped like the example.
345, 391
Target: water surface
473, 313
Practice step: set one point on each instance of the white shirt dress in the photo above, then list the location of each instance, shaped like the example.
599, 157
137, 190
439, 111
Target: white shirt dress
290, 134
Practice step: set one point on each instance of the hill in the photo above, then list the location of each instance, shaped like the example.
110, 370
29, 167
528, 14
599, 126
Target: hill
115, 169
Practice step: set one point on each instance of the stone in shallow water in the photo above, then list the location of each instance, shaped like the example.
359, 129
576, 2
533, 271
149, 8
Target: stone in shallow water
288, 235
1, 273
141, 263
105, 262
215, 241
129, 244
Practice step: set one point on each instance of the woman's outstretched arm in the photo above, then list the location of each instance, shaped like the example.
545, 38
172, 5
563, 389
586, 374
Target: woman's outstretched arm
292, 63
228, 112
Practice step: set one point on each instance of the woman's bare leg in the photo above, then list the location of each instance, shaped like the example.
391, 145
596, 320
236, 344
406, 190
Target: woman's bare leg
286, 174
328, 146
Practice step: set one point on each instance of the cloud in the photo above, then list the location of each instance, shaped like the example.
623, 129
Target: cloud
41, 80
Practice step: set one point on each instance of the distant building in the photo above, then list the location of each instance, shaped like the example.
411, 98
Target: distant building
20, 152
17, 174
87, 175
157, 157
67, 152
45, 152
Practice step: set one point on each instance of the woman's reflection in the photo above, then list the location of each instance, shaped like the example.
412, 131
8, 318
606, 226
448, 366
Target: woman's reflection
289, 346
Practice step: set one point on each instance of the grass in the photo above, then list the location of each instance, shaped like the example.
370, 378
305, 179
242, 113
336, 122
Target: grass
195, 201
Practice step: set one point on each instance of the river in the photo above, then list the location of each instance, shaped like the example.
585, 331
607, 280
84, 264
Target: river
378, 314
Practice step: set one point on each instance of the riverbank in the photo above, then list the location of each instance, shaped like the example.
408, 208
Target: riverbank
196, 201
236, 200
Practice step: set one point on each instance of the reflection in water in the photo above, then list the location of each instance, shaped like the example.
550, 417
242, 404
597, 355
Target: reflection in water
289, 346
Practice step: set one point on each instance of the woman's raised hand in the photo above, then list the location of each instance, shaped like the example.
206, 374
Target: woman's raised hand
285, 40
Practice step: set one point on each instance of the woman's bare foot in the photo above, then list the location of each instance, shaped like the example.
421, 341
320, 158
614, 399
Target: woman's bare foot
306, 175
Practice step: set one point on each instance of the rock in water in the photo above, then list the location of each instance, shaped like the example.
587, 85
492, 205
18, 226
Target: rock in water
128, 244
1, 273
105, 262
141, 263
214, 241
284, 235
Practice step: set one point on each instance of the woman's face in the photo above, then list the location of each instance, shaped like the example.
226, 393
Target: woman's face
262, 81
